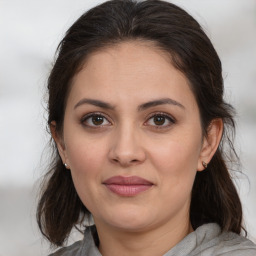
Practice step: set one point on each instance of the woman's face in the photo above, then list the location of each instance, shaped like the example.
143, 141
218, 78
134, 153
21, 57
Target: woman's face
132, 138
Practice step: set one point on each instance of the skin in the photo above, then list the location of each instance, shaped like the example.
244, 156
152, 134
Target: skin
129, 142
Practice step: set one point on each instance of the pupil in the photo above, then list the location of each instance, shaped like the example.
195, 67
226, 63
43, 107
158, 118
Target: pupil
97, 120
159, 120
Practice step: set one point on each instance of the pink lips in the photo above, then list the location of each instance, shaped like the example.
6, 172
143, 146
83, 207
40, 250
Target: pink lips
127, 186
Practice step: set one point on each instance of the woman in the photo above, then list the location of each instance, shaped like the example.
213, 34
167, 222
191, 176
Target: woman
138, 119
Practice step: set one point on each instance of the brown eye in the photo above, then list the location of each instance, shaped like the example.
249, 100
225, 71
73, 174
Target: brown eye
159, 120
95, 120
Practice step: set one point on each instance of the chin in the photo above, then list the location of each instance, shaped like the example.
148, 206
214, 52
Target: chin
131, 225
128, 219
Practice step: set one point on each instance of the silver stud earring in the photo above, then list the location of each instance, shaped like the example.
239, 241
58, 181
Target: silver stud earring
66, 165
204, 164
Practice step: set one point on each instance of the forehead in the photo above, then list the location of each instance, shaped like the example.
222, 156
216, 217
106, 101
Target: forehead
134, 55
130, 69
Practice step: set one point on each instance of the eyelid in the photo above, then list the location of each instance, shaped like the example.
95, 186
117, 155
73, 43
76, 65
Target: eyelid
167, 116
91, 114
160, 113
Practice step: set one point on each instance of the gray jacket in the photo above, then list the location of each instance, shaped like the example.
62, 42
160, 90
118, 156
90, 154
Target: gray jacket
207, 240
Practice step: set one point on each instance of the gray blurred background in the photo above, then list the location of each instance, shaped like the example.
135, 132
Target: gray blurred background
30, 33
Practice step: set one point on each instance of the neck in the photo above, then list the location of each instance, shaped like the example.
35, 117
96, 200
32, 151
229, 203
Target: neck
151, 242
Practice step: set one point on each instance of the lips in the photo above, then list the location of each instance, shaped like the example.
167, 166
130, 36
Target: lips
127, 186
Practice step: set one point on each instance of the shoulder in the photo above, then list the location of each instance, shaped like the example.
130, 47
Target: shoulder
235, 245
71, 250
224, 243
80, 248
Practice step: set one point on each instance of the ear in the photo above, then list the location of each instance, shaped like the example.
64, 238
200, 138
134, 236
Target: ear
210, 143
59, 142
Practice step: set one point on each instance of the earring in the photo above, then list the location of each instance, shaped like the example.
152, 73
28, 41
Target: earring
204, 164
66, 166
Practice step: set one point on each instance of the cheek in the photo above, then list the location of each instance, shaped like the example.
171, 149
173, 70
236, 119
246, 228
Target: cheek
176, 161
86, 164
176, 166
86, 158
174, 156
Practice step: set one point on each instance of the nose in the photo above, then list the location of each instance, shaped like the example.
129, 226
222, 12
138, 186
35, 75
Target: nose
127, 147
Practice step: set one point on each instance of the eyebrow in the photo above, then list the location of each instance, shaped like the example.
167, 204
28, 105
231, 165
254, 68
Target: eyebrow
141, 107
158, 102
97, 103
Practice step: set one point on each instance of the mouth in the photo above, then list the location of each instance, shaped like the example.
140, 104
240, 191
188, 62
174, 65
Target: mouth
127, 186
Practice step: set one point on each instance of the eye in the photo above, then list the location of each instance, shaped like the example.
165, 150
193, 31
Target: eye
160, 120
95, 120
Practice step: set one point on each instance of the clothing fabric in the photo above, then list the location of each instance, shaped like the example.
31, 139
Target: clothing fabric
207, 240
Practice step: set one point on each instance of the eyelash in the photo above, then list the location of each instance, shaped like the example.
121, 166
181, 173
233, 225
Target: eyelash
164, 115
90, 115
98, 114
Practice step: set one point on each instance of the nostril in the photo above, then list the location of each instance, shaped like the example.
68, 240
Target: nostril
124, 162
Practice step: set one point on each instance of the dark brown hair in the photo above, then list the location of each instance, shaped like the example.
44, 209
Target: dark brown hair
214, 196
